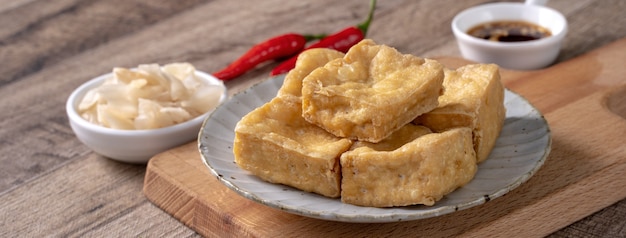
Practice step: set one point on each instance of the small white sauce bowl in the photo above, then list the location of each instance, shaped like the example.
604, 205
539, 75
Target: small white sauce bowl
133, 146
525, 55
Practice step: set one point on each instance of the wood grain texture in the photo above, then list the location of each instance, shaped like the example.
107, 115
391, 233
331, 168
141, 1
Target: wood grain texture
582, 167
48, 48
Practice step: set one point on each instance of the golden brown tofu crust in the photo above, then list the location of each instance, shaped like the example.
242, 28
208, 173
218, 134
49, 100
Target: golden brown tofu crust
276, 144
308, 61
412, 166
370, 92
474, 98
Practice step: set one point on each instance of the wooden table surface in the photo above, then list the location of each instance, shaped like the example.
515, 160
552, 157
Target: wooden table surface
52, 185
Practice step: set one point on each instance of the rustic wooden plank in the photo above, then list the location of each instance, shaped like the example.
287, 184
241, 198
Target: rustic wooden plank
39, 133
584, 32
608, 222
99, 194
18, 16
85, 24
70, 184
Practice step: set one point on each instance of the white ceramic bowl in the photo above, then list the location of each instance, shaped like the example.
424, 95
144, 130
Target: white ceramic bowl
526, 55
132, 146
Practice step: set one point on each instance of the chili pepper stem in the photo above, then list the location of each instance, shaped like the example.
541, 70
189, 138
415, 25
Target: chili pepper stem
366, 24
314, 37
340, 41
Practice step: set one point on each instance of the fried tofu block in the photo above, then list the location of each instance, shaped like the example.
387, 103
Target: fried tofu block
276, 144
412, 166
371, 92
474, 98
307, 61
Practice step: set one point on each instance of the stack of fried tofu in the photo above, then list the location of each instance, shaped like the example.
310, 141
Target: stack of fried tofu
373, 126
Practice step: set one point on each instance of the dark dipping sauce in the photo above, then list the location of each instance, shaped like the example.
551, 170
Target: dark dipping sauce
509, 31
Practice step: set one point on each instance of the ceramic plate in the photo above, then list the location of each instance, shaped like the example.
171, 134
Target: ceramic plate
521, 149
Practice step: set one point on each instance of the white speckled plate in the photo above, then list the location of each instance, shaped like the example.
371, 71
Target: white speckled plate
521, 149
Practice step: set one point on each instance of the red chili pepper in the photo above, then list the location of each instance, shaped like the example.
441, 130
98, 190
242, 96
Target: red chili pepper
341, 41
280, 46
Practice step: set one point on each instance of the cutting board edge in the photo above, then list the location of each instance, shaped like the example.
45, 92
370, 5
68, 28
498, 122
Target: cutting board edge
156, 183
503, 226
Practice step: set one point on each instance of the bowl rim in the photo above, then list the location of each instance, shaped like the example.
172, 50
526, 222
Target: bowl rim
78, 93
555, 38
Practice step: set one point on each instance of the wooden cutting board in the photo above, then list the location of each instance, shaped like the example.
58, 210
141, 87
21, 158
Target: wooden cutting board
584, 102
